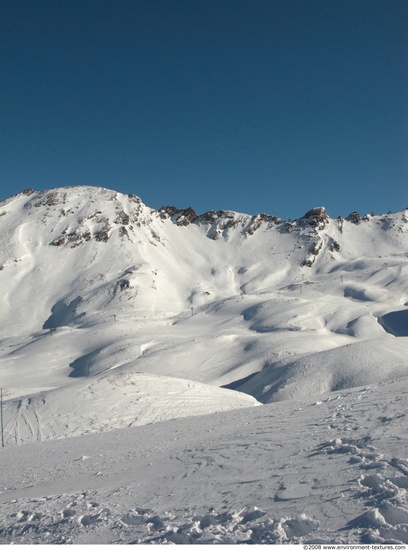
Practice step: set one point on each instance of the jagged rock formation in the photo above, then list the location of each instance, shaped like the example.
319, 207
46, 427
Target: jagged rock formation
90, 219
100, 214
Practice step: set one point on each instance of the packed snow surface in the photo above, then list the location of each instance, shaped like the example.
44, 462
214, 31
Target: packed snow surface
333, 470
137, 347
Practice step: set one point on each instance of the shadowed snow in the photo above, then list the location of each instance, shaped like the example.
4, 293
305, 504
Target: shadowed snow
395, 322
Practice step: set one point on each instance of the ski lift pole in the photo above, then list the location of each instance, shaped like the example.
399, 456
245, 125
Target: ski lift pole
2, 418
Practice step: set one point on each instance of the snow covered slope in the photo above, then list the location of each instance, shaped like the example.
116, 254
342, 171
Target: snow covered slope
97, 284
328, 471
119, 400
133, 329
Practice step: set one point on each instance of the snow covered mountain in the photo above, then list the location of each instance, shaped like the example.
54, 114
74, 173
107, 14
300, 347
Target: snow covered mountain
115, 315
96, 283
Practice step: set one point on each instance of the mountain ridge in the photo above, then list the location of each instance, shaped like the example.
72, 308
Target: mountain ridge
223, 378
97, 282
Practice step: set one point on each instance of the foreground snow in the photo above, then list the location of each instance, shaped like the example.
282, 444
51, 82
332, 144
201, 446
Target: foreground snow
334, 470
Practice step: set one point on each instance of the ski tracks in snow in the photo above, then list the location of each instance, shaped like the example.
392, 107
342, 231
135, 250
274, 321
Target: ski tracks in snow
24, 424
330, 471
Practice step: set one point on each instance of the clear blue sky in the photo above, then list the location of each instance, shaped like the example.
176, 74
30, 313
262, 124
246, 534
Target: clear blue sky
271, 106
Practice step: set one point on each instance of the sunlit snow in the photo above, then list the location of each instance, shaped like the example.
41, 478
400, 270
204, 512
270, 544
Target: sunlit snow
174, 377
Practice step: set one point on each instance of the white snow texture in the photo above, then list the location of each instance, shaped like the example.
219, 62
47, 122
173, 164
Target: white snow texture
171, 377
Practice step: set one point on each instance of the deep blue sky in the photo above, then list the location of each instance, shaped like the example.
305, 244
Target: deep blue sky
271, 106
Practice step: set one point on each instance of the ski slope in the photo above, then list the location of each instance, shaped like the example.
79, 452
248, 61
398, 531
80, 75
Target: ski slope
327, 471
260, 363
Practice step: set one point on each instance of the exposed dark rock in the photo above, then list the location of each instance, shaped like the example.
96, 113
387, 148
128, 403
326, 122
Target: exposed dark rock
288, 227
124, 284
51, 199
314, 251
122, 218
59, 241
209, 217
316, 217
334, 246
220, 221
92, 216
258, 220
103, 235
123, 232
134, 198
178, 216
354, 217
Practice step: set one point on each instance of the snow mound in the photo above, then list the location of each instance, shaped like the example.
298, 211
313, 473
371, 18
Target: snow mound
365, 327
366, 294
314, 374
112, 402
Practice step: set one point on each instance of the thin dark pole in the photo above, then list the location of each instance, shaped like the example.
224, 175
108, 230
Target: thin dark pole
1, 415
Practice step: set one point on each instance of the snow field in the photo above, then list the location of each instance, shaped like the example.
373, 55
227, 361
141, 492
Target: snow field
111, 402
124, 332
327, 471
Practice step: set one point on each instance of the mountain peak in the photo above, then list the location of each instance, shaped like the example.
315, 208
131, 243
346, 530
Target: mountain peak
316, 217
115, 262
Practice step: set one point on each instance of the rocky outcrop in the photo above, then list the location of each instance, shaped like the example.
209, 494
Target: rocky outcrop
257, 221
355, 218
179, 216
316, 217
